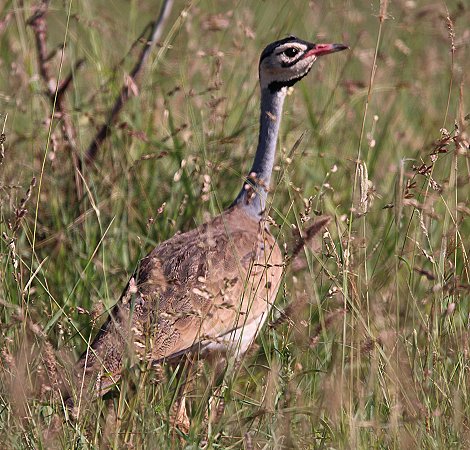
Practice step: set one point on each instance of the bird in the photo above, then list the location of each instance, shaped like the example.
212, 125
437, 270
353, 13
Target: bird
209, 289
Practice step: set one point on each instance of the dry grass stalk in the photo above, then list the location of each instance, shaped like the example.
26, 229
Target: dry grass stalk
56, 92
3, 139
309, 233
155, 34
248, 441
179, 417
330, 319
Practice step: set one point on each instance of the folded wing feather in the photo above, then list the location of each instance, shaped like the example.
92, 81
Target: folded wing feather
209, 288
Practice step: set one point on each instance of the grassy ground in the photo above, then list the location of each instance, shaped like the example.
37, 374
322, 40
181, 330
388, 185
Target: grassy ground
375, 353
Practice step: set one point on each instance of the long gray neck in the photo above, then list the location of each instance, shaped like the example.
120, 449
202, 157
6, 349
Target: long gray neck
252, 197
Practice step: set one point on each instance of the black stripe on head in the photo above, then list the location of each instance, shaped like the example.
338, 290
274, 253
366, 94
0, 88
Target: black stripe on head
275, 86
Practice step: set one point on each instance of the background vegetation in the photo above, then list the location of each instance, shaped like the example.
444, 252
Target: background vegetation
374, 349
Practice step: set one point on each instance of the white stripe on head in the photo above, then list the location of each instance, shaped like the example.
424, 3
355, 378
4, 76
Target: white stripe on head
284, 47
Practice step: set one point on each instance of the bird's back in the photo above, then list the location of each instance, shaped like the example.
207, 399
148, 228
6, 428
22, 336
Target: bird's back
210, 288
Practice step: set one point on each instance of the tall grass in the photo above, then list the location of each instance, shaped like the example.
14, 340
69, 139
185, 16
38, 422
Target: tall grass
375, 351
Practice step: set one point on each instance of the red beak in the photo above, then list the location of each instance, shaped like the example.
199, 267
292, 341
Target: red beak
325, 49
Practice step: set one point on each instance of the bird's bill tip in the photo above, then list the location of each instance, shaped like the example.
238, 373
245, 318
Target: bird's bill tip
325, 49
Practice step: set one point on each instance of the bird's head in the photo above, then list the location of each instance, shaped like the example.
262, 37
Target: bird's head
285, 62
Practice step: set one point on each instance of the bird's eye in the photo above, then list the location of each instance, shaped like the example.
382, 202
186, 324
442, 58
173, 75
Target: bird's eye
291, 52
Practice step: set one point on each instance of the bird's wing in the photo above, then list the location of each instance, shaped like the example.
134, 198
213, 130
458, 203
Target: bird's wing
193, 288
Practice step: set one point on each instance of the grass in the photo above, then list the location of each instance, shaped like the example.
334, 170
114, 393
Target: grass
375, 353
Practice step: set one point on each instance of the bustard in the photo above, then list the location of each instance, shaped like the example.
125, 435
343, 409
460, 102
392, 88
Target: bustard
210, 288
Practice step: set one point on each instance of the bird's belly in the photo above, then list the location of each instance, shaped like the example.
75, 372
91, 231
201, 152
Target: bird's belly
238, 340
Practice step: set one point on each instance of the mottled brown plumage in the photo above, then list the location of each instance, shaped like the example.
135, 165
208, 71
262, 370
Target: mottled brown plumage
209, 288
